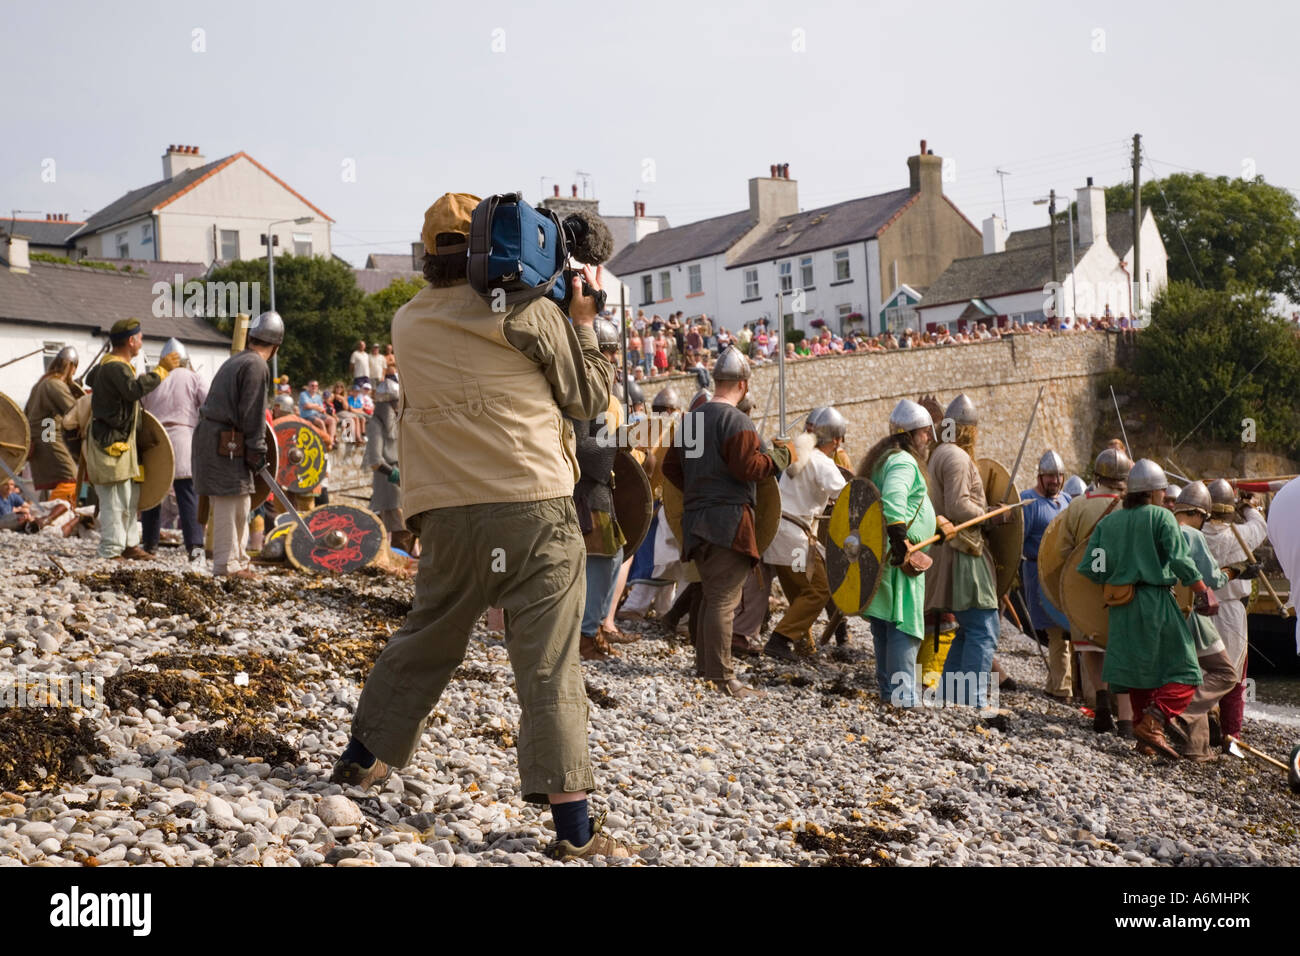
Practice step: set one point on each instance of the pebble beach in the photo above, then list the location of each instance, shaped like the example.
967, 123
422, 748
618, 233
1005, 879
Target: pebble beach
219, 707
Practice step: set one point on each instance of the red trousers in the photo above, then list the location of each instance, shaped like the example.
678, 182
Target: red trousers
1232, 705
1170, 699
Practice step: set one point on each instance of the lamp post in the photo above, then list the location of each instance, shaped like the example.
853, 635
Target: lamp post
270, 268
1050, 202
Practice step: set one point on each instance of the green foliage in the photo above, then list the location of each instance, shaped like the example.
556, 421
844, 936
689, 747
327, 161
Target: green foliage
1204, 346
87, 263
324, 311
1237, 231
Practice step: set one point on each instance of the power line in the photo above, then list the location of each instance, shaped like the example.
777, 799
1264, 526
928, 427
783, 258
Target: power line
1178, 229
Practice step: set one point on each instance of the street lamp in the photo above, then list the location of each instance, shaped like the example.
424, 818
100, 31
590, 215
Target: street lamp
1050, 202
270, 268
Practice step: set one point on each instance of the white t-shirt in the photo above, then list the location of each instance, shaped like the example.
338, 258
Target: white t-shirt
360, 364
804, 494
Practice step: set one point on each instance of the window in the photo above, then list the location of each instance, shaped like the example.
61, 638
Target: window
842, 311
784, 272
146, 233
647, 290
51, 350
841, 265
665, 285
123, 250
302, 243
751, 283
693, 277
229, 245
805, 273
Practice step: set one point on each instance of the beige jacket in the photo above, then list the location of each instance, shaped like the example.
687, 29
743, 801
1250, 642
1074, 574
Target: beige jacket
486, 398
957, 493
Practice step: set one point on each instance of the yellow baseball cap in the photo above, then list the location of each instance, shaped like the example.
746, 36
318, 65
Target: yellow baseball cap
452, 213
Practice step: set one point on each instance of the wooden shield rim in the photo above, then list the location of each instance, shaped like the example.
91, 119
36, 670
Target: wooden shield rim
1089, 618
629, 473
1006, 541
298, 424
159, 462
15, 432
839, 513
767, 511
1049, 572
674, 505
294, 530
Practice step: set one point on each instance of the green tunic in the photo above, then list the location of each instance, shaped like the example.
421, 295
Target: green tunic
1150, 644
900, 599
1204, 633
115, 404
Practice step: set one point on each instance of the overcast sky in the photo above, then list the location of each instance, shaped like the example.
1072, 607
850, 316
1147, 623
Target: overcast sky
681, 101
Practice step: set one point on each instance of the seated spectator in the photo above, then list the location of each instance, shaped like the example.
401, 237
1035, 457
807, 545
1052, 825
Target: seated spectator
356, 413
802, 349
16, 514
367, 401
792, 353
311, 406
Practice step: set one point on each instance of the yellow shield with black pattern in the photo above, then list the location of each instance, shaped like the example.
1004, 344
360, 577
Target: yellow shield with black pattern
855, 546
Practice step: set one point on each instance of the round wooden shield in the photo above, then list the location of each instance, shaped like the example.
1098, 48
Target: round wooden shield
15, 435
274, 546
1081, 600
856, 544
1004, 541
157, 459
633, 500
1051, 560
674, 504
261, 490
364, 540
302, 455
767, 516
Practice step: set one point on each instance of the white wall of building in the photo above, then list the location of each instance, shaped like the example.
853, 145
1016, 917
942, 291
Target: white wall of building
16, 380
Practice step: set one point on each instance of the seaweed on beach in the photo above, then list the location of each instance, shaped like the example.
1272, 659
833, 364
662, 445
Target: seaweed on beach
863, 845
39, 747
244, 740
198, 595
214, 695
600, 697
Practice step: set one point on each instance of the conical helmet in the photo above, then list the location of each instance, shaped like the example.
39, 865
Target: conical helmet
829, 424
1113, 463
68, 355
635, 394
702, 397
1223, 497
177, 346
267, 328
1051, 464
1074, 486
731, 365
962, 411
666, 400
606, 334
1146, 475
908, 416
1195, 497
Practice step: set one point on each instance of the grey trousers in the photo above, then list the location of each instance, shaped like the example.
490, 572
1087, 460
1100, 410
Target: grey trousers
527, 558
722, 578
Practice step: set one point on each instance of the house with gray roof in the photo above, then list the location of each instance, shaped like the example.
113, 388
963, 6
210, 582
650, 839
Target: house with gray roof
827, 263
1028, 277
204, 212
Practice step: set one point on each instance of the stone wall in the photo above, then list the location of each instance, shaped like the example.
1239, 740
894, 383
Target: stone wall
1001, 377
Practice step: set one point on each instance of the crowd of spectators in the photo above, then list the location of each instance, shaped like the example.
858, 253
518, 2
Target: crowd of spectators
657, 346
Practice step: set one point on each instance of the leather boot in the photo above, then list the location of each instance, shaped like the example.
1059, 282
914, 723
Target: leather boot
1124, 728
1150, 730
1102, 721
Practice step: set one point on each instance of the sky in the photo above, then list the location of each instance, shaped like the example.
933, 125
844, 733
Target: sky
373, 110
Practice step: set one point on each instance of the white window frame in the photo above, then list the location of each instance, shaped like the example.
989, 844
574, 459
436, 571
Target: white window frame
223, 234
751, 283
123, 247
146, 233
301, 240
647, 289
785, 276
666, 284
843, 268
694, 279
806, 272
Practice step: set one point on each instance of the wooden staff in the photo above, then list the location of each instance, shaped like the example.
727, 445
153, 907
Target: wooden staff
1236, 481
1260, 754
1282, 609
980, 519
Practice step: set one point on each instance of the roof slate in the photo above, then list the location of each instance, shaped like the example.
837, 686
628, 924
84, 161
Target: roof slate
41, 232
1119, 234
693, 241
1016, 270
139, 202
82, 297
840, 224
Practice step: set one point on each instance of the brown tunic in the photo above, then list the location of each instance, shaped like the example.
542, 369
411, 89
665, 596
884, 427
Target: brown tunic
51, 461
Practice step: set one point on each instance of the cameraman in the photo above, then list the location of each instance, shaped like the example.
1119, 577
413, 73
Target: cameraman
488, 470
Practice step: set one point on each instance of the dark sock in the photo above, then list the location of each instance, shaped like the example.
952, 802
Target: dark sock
572, 822
357, 753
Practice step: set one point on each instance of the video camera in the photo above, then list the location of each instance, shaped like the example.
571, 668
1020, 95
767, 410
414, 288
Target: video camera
518, 252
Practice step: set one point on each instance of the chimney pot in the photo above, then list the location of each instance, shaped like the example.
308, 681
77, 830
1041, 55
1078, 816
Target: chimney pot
923, 147
557, 190
785, 171
574, 187
1089, 180
771, 171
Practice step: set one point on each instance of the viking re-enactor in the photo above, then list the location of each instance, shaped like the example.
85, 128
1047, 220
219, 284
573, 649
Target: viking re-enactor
489, 469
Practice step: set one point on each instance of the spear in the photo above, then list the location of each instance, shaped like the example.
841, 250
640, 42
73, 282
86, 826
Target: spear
1033, 412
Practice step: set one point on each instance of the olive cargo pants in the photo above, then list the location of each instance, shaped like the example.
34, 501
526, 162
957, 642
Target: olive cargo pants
527, 558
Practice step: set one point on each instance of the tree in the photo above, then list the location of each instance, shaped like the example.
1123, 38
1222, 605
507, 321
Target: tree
324, 311
1236, 230
381, 305
1207, 347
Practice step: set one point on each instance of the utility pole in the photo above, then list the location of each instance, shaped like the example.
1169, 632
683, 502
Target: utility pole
1051, 218
1137, 224
1002, 181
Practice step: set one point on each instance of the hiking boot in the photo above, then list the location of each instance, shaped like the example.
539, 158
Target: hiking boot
137, 553
595, 648
740, 646
352, 774
1150, 730
778, 646
806, 646
1102, 721
600, 844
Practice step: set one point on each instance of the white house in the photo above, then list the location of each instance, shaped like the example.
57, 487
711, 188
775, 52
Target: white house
827, 263
46, 306
201, 212
1013, 280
